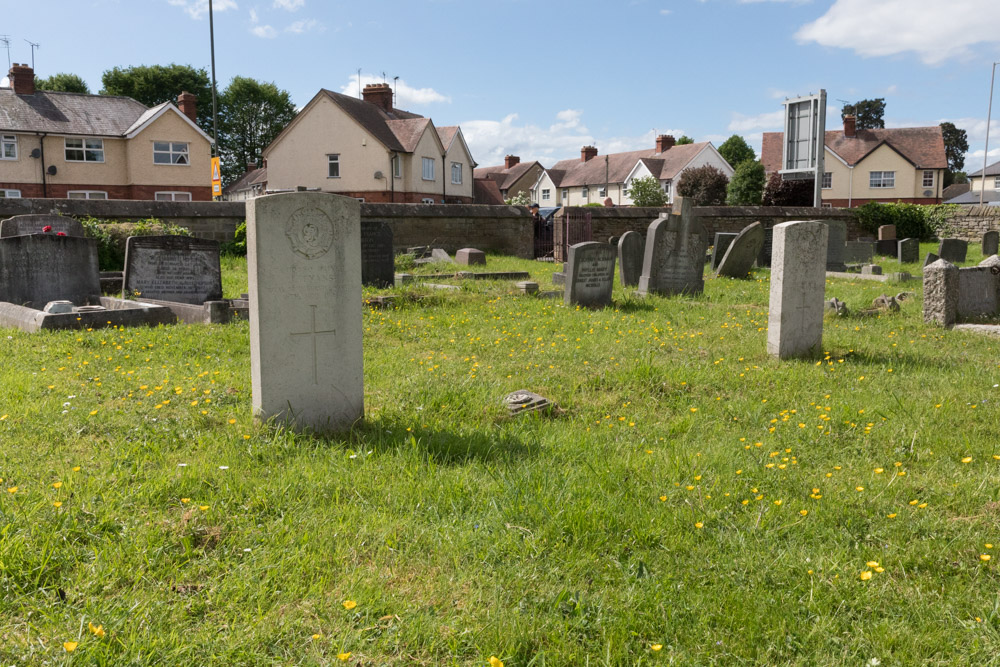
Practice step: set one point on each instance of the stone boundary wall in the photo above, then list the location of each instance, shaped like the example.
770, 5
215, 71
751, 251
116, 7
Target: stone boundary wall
970, 222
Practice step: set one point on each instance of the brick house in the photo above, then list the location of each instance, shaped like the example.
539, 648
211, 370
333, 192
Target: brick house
513, 176
76, 146
880, 165
369, 150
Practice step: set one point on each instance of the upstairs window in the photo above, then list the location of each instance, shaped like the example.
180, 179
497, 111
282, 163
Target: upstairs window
8, 147
881, 179
170, 152
545, 194
996, 182
827, 180
333, 166
84, 150
456, 173
428, 172
928, 179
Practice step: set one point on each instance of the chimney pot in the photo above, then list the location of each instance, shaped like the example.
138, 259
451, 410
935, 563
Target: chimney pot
850, 126
665, 142
379, 94
510, 161
588, 153
22, 79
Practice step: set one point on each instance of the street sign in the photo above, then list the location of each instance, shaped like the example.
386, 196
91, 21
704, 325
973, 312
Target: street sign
216, 177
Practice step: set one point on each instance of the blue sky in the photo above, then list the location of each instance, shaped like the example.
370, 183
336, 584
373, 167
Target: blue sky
541, 78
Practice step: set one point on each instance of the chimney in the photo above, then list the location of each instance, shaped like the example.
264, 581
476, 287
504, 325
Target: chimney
664, 142
587, 153
510, 161
379, 94
850, 125
22, 79
188, 104
251, 165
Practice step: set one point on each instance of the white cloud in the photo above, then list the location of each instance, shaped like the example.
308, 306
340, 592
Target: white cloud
405, 94
305, 25
290, 5
936, 31
771, 120
665, 12
196, 9
262, 31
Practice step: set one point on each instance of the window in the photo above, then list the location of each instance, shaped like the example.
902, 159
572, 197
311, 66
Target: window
428, 173
333, 166
881, 179
666, 187
397, 167
10, 194
426, 200
172, 196
170, 152
928, 179
86, 194
585, 192
565, 194
8, 148
84, 150
827, 180
996, 182
545, 194
827, 205
360, 199
456, 173
603, 192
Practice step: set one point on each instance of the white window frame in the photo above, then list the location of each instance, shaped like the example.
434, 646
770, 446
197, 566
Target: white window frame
427, 200
666, 187
9, 140
171, 195
87, 194
565, 194
928, 181
882, 181
360, 199
173, 153
427, 167
457, 171
333, 160
585, 192
10, 194
83, 148
397, 166
827, 205
827, 180
602, 192
546, 194
996, 182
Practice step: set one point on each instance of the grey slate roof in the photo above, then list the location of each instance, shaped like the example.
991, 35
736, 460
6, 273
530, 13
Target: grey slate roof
991, 170
973, 197
68, 113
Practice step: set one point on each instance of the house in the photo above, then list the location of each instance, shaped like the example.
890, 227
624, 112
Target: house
880, 165
253, 183
76, 146
992, 179
486, 192
513, 176
595, 179
365, 148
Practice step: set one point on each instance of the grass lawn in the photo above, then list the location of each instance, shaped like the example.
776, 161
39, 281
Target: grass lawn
694, 501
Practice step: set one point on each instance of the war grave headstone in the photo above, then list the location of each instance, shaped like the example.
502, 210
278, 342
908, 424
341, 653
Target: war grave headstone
859, 252
836, 245
675, 250
590, 274
720, 244
798, 280
630, 251
377, 257
470, 257
306, 352
764, 258
953, 250
742, 252
908, 251
991, 243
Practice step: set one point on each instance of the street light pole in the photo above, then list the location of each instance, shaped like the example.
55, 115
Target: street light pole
215, 107
986, 151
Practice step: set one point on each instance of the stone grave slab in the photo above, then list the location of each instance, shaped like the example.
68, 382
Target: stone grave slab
953, 250
798, 281
20, 225
38, 268
991, 243
377, 256
182, 269
720, 244
492, 275
590, 274
630, 251
675, 250
742, 252
836, 245
105, 312
908, 251
887, 233
470, 257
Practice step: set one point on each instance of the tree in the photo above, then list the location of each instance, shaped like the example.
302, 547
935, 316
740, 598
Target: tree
736, 151
62, 83
780, 192
747, 186
685, 139
155, 84
869, 113
646, 191
706, 186
251, 114
956, 143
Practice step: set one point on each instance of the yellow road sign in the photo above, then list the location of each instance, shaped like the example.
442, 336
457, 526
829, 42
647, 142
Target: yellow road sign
216, 177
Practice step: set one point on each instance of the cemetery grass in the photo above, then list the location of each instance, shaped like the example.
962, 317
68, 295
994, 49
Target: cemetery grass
691, 501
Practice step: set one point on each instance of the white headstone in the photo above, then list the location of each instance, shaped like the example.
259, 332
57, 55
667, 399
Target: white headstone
798, 280
304, 264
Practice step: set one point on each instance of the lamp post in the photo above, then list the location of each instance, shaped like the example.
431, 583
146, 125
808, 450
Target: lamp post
215, 107
986, 151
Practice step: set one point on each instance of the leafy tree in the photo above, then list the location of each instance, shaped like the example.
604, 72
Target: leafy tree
869, 113
646, 191
747, 186
251, 114
62, 83
780, 192
522, 198
956, 143
685, 139
155, 84
706, 186
956, 177
736, 151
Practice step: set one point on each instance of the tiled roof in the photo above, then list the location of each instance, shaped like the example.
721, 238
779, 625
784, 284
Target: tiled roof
408, 131
248, 180
372, 118
486, 192
68, 113
991, 170
447, 134
615, 167
954, 190
922, 146
505, 178
145, 116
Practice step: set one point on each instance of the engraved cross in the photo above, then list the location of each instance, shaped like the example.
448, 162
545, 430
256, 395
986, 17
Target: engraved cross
314, 333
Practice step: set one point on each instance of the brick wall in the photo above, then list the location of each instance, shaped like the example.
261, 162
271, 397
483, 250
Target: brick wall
970, 222
61, 190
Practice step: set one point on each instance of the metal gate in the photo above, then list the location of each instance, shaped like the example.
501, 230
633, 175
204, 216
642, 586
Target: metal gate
574, 227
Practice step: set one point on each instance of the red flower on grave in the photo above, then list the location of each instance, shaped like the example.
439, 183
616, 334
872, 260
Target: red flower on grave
47, 228
60, 233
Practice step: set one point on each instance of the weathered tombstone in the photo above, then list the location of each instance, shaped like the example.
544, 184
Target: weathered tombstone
377, 258
886, 247
859, 252
305, 352
675, 250
720, 244
836, 245
559, 277
630, 252
991, 243
742, 252
908, 251
590, 274
764, 258
871, 270
798, 280
977, 292
941, 292
930, 258
470, 257
992, 260
172, 268
441, 255
38, 268
953, 250
20, 225
887, 233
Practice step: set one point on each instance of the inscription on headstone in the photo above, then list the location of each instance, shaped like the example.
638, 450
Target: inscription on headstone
590, 274
173, 268
19, 225
377, 259
674, 262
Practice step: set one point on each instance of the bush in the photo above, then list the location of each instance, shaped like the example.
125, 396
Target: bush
647, 191
747, 186
706, 186
913, 221
780, 192
111, 237
238, 246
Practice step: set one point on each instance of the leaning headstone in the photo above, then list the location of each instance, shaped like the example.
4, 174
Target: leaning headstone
859, 252
305, 352
38, 268
719, 247
742, 252
183, 269
20, 225
630, 252
941, 293
930, 258
613, 240
991, 243
798, 280
675, 250
836, 245
440, 255
908, 251
377, 258
887, 233
470, 257
953, 250
590, 274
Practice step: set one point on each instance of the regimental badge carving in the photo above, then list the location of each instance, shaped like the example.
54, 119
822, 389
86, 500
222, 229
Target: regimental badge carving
310, 232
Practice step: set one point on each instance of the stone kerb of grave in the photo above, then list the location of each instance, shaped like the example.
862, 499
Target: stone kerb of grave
674, 262
590, 274
798, 281
182, 269
742, 252
20, 225
631, 246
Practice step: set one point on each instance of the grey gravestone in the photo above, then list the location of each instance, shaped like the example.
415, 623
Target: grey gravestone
38, 268
953, 250
613, 240
439, 255
764, 258
871, 270
859, 252
19, 225
836, 245
304, 265
930, 258
908, 251
675, 250
720, 244
527, 287
886, 247
977, 292
941, 293
887, 233
377, 258
991, 243
559, 277
742, 252
173, 268
590, 274
630, 252
470, 257
798, 280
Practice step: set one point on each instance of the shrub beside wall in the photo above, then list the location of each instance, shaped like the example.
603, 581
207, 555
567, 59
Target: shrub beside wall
111, 237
